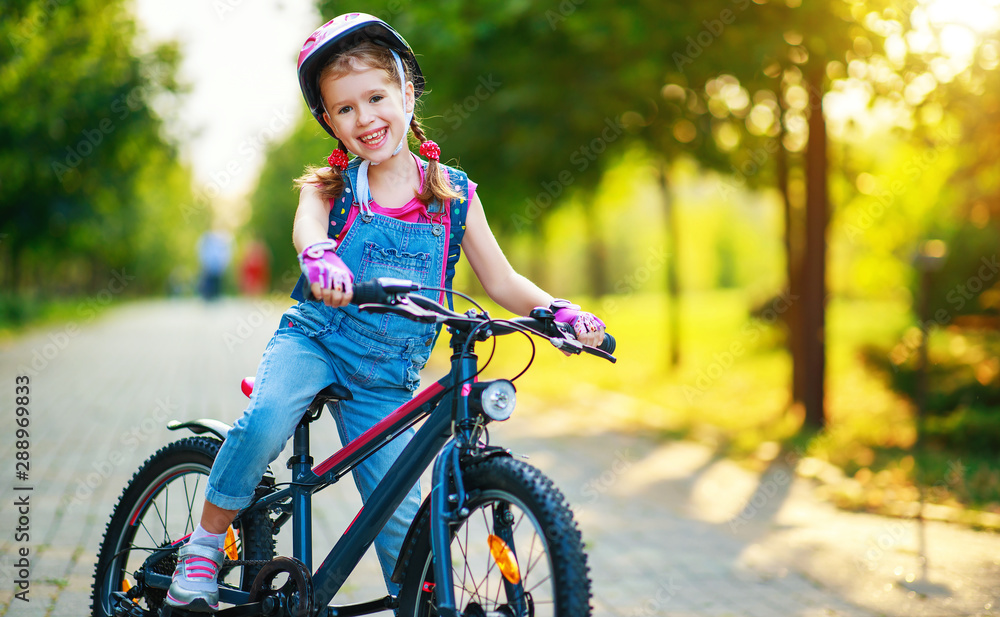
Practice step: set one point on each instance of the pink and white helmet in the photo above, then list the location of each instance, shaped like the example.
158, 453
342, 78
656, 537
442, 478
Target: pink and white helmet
338, 35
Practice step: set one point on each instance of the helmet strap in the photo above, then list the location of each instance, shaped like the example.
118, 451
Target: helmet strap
364, 195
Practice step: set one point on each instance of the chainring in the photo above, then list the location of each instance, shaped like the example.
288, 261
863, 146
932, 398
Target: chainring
296, 594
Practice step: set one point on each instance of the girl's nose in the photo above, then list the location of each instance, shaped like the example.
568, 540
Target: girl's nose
365, 115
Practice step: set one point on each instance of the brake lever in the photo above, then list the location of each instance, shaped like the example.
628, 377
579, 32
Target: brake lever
600, 353
568, 345
403, 307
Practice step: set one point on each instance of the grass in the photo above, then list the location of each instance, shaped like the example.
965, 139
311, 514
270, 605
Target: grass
21, 312
731, 391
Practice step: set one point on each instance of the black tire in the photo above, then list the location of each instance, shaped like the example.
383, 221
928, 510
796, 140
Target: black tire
161, 504
554, 574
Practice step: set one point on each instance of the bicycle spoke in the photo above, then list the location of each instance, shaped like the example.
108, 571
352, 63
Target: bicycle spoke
152, 540
500, 587
531, 565
159, 515
535, 586
465, 563
531, 552
189, 500
517, 523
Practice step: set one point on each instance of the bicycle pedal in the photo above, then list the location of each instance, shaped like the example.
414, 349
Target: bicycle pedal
172, 611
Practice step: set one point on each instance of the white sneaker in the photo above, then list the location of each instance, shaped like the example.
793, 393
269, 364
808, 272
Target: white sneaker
195, 586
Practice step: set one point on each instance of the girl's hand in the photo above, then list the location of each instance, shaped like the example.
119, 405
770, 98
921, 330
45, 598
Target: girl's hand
330, 279
588, 327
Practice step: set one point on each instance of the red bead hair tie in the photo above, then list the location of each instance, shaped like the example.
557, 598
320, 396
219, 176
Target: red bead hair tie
430, 150
337, 159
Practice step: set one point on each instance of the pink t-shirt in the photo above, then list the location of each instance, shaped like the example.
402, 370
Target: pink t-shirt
412, 211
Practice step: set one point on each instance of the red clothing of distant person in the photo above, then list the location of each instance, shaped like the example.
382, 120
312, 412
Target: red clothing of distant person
255, 271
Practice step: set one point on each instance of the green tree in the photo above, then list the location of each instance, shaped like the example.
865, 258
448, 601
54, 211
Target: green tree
77, 142
752, 77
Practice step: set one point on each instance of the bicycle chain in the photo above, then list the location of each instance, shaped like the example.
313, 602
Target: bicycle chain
246, 562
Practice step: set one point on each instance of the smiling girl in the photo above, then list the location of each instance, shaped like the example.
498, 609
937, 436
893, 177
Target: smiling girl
384, 213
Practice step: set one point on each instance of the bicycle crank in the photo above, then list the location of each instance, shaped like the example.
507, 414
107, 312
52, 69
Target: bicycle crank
294, 597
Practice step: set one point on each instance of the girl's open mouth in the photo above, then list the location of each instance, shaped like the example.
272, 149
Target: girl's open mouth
375, 139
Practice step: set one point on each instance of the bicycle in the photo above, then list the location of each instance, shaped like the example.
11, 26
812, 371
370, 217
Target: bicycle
495, 537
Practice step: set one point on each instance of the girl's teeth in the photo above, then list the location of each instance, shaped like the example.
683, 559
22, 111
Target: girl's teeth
374, 137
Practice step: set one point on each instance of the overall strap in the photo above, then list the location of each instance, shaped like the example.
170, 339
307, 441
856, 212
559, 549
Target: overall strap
339, 210
458, 210
341, 207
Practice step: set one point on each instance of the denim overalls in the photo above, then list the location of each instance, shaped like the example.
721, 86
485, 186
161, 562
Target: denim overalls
377, 356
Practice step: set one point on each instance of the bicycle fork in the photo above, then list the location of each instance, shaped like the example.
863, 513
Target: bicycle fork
448, 498
447, 506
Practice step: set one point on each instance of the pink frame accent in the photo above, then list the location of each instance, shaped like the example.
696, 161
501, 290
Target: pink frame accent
376, 431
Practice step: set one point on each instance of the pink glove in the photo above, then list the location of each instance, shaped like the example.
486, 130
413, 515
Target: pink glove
321, 265
582, 321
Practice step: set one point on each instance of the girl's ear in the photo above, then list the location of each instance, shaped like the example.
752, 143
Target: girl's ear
410, 100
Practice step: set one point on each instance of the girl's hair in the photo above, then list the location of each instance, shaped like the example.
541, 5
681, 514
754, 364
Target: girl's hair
329, 180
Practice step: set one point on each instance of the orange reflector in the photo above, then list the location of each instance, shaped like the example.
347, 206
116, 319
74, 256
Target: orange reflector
231, 544
505, 559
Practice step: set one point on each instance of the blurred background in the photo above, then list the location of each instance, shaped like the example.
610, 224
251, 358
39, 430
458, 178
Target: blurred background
787, 212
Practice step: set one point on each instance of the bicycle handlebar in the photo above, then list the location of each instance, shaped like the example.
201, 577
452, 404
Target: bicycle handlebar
391, 295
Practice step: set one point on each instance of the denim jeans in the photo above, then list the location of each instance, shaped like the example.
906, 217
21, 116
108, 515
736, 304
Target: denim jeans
313, 347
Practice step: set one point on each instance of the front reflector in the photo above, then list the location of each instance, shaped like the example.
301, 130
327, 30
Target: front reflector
505, 558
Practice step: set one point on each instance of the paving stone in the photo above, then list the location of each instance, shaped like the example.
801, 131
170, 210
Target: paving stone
663, 522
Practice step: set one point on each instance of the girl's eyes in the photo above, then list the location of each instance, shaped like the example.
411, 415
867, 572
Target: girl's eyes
375, 99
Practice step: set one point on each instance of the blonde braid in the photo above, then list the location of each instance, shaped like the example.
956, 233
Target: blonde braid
328, 180
435, 184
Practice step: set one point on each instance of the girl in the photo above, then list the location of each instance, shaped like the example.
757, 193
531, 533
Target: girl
386, 213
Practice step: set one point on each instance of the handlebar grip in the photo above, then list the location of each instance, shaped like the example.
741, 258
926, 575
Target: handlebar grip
369, 292
608, 344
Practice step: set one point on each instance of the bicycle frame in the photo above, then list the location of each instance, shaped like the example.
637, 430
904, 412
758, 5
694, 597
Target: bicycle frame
448, 425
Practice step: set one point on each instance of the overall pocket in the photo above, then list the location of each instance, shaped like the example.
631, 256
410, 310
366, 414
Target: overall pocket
386, 261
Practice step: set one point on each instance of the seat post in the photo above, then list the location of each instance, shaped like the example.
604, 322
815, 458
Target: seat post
301, 463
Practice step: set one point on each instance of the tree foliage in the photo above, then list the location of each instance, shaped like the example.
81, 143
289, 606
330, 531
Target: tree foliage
89, 182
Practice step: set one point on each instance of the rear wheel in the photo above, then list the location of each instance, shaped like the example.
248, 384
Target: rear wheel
160, 506
518, 552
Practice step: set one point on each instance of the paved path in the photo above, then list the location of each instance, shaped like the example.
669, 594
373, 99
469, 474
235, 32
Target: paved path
671, 529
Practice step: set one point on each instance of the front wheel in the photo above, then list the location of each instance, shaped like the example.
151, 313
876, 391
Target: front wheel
161, 506
518, 552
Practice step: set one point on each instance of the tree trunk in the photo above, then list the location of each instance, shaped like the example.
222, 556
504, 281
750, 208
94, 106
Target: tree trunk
814, 258
673, 319
793, 266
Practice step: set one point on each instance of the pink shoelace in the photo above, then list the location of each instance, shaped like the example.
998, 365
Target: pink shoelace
195, 570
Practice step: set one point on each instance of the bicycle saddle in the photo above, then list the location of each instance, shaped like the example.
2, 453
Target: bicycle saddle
333, 392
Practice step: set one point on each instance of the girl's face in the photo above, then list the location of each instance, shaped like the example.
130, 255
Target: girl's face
366, 111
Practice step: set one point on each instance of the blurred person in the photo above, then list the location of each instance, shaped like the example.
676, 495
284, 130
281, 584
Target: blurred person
213, 255
255, 269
